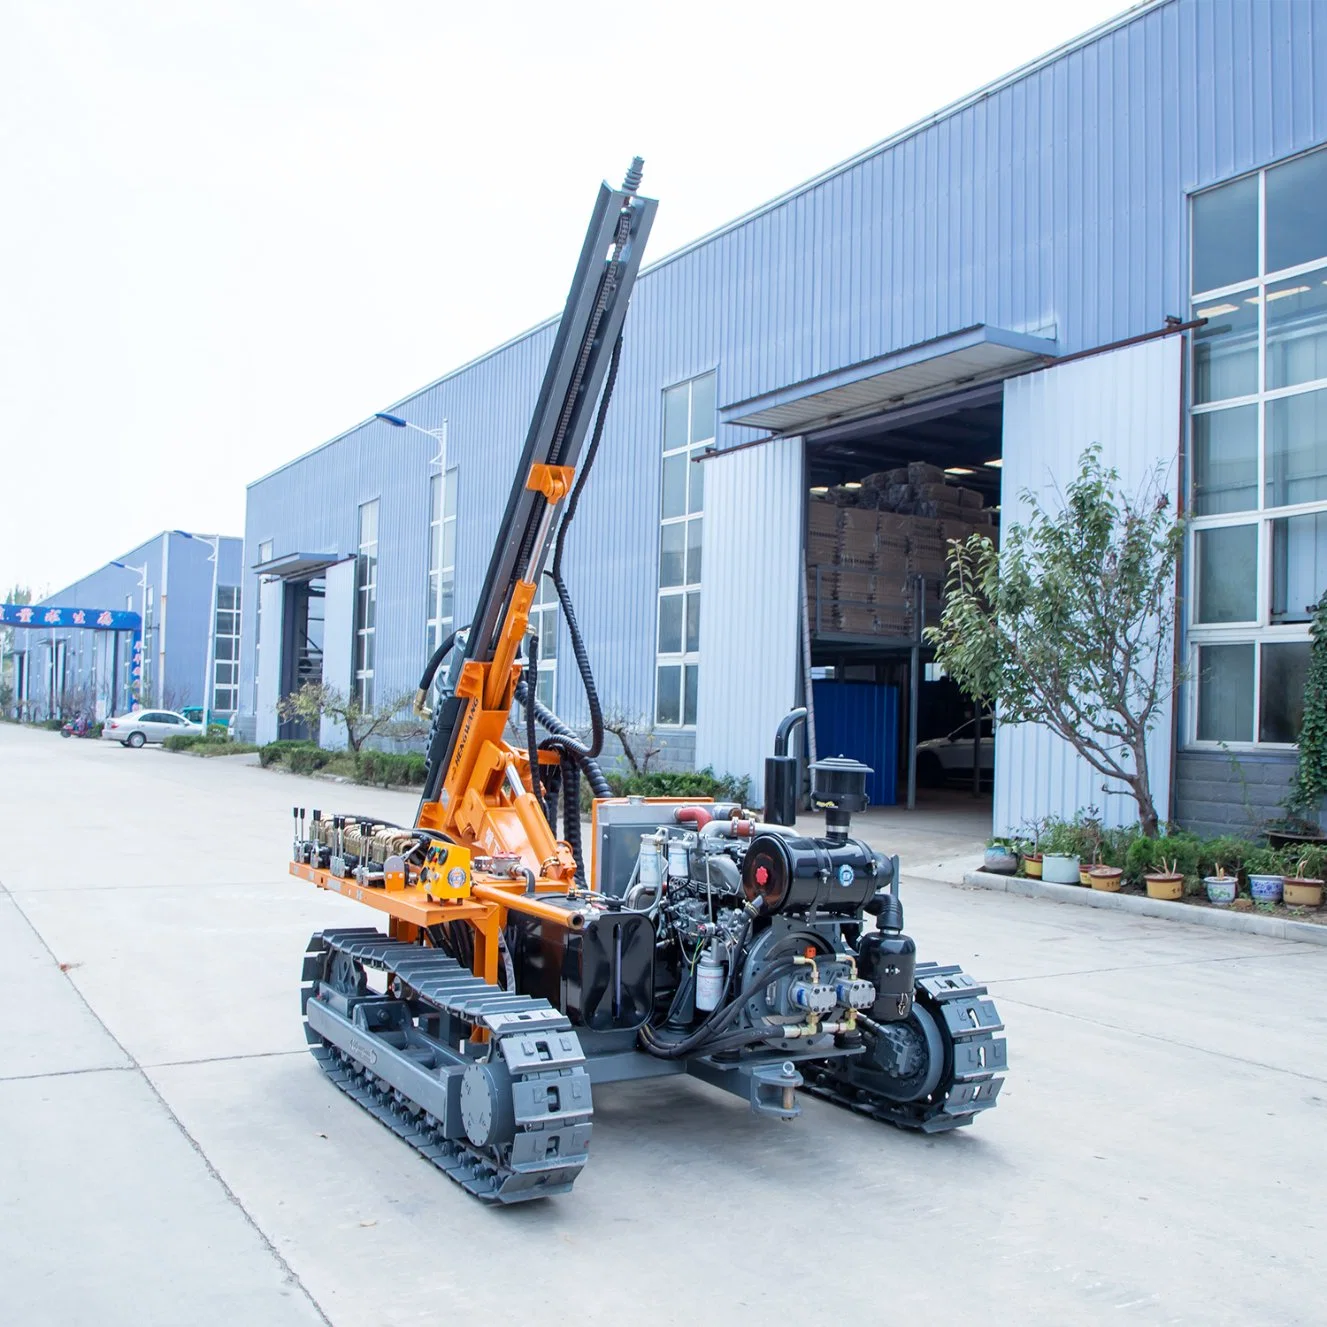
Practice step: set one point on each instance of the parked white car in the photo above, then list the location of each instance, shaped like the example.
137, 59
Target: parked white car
943, 759
144, 726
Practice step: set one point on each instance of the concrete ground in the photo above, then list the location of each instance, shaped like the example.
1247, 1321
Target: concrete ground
170, 1154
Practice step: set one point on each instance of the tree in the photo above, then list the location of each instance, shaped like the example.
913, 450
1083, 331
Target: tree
1309, 786
1071, 626
315, 699
630, 732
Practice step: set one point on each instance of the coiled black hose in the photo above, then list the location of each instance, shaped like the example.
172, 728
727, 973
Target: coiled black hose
571, 815
436, 658
707, 1036
551, 723
562, 742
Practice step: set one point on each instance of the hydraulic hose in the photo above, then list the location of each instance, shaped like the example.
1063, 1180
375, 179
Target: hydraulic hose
434, 663
552, 724
708, 1032
559, 548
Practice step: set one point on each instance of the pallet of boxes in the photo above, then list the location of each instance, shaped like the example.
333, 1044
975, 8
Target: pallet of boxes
876, 552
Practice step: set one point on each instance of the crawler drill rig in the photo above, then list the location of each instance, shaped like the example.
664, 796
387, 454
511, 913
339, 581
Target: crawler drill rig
702, 941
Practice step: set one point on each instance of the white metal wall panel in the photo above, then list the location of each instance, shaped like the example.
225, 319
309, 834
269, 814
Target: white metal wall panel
338, 642
1128, 401
750, 605
273, 595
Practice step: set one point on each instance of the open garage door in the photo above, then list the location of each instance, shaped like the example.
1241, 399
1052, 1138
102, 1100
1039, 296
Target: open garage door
750, 609
1128, 400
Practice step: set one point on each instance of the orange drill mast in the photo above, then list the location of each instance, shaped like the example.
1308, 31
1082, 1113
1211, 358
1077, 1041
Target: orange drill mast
480, 802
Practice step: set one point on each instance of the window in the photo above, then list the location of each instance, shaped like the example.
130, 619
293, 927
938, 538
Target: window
688, 428
226, 647
264, 555
442, 558
544, 624
366, 603
1258, 456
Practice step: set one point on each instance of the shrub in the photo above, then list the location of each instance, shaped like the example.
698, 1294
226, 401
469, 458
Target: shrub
387, 768
298, 757
183, 742
681, 783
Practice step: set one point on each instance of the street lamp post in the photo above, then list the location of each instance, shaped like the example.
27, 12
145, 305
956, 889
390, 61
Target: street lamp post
439, 435
142, 606
215, 542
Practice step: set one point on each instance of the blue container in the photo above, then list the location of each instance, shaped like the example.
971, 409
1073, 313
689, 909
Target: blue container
860, 719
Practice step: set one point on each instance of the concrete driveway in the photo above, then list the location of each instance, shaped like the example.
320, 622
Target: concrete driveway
170, 1154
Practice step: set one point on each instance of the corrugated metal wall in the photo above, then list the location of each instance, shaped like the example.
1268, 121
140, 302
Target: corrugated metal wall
1053, 202
1128, 401
183, 578
749, 605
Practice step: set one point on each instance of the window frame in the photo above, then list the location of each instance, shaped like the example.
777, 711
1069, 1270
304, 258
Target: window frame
264, 555
688, 589
1262, 631
545, 621
231, 666
366, 593
441, 577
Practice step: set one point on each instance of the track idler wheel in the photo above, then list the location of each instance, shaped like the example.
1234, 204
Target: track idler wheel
487, 1110
909, 1056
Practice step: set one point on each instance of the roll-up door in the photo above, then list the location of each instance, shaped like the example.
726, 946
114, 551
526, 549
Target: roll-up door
750, 605
1127, 400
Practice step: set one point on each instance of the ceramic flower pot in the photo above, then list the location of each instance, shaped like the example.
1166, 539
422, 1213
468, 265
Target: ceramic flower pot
1106, 878
1221, 888
1059, 869
999, 860
1084, 873
1032, 865
1165, 886
1266, 888
1302, 891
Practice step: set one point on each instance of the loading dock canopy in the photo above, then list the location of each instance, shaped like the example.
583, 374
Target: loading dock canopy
977, 354
297, 566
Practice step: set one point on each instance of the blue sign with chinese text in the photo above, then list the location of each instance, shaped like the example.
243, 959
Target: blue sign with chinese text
38, 615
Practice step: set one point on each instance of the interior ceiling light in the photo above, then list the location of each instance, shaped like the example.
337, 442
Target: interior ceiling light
852, 483
1281, 294
820, 488
958, 470
1217, 310
995, 462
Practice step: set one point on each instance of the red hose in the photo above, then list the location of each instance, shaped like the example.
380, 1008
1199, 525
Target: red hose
697, 813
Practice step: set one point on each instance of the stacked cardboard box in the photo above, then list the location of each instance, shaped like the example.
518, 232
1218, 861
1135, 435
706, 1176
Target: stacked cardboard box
870, 550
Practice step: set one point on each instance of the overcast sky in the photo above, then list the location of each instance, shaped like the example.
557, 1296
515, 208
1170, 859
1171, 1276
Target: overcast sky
233, 228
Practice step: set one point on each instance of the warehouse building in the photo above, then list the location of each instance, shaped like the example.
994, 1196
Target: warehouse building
1122, 243
177, 583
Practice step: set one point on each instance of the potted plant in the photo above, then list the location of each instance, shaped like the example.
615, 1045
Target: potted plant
1304, 889
1105, 877
1088, 825
1000, 858
1167, 883
1059, 858
1031, 850
1266, 880
1221, 888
